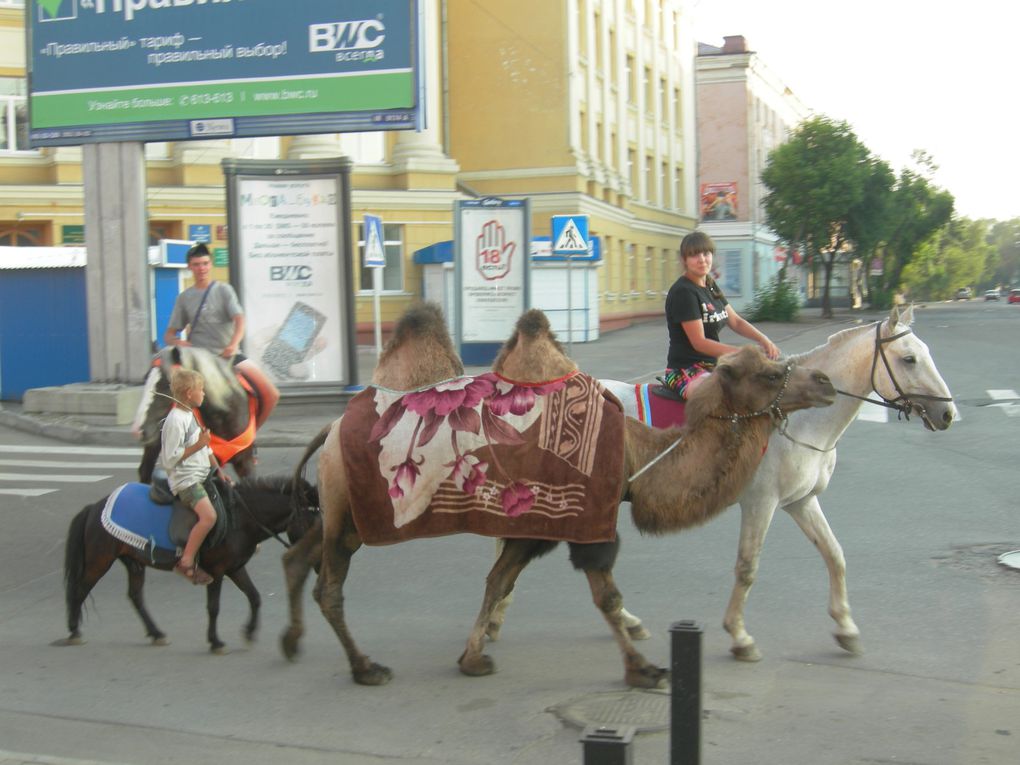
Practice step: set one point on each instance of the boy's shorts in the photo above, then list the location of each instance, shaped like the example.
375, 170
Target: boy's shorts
191, 495
679, 379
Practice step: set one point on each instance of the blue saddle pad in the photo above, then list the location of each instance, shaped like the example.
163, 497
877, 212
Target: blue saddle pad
133, 518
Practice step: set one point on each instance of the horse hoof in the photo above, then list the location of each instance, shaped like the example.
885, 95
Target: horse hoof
289, 645
376, 674
161, 640
492, 631
748, 652
219, 650
647, 677
638, 632
850, 643
70, 640
477, 666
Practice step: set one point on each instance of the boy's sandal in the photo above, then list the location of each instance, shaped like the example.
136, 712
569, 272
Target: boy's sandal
193, 574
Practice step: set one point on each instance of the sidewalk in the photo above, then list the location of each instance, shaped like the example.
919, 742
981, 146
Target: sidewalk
634, 353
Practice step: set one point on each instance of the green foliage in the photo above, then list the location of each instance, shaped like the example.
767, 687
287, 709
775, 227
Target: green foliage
958, 255
776, 301
824, 192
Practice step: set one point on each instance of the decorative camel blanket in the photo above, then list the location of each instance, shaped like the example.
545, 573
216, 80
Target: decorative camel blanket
658, 411
485, 455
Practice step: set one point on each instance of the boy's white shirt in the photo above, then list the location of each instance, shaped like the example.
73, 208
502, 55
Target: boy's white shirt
180, 430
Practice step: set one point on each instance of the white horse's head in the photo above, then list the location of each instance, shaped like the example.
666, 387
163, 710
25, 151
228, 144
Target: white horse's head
904, 371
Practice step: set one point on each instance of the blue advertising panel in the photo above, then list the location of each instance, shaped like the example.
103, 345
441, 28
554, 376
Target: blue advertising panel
200, 232
164, 70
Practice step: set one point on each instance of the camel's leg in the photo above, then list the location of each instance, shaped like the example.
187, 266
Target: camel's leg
809, 516
755, 520
297, 562
635, 628
340, 541
242, 580
513, 557
638, 671
136, 585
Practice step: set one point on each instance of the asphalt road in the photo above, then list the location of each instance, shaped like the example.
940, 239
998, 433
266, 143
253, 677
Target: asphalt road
921, 516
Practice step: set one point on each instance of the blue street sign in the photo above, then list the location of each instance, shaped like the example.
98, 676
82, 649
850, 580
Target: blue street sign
570, 234
375, 250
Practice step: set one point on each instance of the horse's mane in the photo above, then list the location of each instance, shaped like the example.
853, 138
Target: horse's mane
837, 340
220, 381
306, 495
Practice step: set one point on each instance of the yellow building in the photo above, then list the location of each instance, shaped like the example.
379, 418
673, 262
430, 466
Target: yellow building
583, 106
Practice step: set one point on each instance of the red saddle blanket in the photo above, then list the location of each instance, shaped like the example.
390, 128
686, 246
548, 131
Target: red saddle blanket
658, 411
485, 455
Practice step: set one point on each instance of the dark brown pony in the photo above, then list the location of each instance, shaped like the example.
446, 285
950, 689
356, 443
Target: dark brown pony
257, 509
226, 410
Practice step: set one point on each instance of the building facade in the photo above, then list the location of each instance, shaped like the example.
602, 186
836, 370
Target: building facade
744, 112
583, 106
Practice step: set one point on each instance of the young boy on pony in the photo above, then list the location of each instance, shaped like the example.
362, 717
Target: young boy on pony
188, 460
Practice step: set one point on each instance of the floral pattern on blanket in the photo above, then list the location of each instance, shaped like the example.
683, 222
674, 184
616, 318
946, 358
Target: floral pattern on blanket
455, 417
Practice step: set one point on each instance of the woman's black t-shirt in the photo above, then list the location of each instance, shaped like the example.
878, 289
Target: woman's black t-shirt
687, 301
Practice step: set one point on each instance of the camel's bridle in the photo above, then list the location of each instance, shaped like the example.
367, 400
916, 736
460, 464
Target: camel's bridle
904, 403
771, 409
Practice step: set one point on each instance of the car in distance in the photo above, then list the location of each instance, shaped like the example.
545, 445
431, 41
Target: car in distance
1014, 296
963, 293
991, 294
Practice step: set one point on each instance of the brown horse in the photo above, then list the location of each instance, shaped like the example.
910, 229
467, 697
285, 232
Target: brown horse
674, 479
226, 411
258, 509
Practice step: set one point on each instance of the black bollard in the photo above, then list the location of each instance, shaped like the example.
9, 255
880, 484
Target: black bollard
604, 745
685, 701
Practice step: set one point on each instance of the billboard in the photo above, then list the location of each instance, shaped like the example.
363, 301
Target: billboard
172, 70
291, 262
491, 272
719, 201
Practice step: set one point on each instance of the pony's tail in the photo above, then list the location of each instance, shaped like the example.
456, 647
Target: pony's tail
74, 559
298, 482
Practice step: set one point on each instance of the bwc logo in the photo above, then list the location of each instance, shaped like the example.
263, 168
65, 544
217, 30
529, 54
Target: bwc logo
290, 273
57, 10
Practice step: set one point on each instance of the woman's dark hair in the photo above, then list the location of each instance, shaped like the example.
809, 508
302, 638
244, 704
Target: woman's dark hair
695, 242
199, 250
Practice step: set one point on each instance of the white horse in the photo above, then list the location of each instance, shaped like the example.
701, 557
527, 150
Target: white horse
886, 358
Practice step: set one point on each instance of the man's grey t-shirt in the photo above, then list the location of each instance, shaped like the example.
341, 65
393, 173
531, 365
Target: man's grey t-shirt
215, 324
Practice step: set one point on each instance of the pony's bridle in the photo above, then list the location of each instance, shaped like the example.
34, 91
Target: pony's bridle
904, 403
771, 410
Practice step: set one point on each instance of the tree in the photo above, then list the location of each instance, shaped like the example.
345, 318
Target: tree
1005, 238
958, 255
916, 209
823, 189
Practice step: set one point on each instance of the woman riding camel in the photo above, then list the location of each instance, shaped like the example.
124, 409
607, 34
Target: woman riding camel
696, 311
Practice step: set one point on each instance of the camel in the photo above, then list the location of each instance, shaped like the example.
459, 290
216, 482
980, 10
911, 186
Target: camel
674, 479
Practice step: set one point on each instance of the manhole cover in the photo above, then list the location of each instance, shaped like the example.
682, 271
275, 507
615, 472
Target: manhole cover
1011, 559
645, 710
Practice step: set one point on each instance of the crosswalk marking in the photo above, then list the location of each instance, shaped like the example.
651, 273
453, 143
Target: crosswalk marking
59, 478
1001, 394
98, 451
67, 464
26, 493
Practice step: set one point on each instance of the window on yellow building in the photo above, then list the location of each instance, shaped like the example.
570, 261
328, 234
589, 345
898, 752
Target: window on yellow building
393, 271
16, 234
13, 115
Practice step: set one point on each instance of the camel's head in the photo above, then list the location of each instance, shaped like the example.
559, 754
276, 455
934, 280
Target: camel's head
746, 381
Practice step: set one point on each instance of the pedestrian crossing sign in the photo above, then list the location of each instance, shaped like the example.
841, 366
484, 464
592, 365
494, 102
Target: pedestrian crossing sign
570, 234
375, 252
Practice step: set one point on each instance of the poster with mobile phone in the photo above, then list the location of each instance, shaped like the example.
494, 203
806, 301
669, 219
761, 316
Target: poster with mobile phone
292, 280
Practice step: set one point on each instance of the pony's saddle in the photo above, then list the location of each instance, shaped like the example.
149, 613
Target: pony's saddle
150, 518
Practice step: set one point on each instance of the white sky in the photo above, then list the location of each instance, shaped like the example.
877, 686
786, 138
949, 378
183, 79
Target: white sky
938, 75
